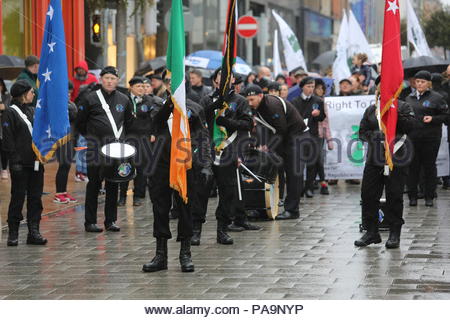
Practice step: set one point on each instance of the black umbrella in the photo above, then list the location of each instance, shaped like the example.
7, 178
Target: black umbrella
325, 59
431, 64
151, 65
10, 67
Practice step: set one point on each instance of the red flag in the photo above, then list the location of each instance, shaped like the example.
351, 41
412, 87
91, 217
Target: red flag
392, 76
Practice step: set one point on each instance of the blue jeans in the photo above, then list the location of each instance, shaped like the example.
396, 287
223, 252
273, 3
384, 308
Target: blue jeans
81, 156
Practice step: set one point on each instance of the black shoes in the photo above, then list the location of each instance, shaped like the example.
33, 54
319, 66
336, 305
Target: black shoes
309, 193
196, 235
247, 226
413, 202
34, 236
122, 201
324, 190
185, 256
159, 261
429, 202
368, 238
233, 227
92, 228
223, 237
13, 234
138, 202
288, 215
394, 237
112, 227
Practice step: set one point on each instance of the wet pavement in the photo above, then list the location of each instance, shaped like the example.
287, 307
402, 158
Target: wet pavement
309, 258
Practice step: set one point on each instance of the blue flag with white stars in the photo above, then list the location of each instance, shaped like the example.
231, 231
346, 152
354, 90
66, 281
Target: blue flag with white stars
51, 127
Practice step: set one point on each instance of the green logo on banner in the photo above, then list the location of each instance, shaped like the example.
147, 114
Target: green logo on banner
294, 43
358, 152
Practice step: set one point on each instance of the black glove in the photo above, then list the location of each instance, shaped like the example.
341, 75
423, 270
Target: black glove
222, 121
218, 103
16, 167
206, 175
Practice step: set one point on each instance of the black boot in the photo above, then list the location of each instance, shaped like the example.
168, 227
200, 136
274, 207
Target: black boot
13, 234
185, 256
222, 236
394, 237
371, 236
159, 261
34, 236
196, 234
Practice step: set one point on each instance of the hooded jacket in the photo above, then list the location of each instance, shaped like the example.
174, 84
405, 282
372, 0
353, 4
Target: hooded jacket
77, 83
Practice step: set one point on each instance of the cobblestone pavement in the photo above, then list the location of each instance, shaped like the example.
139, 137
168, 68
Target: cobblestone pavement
309, 258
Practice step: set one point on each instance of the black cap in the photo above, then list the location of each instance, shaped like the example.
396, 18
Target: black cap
305, 81
135, 80
436, 77
20, 87
253, 90
345, 80
423, 74
262, 83
238, 79
273, 85
111, 70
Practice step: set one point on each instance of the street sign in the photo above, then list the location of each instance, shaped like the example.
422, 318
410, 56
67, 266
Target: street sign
247, 27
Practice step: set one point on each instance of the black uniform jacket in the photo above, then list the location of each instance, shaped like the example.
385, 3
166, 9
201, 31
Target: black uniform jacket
142, 110
369, 131
200, 142
17, 140
238, 117
430, 103
305, 108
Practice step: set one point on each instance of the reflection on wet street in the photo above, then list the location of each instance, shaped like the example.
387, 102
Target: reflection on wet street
309, 258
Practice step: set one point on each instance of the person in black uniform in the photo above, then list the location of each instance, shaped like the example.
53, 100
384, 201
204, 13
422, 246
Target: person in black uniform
27, 175
431, 110
237, 121
289, 131
197, 85
139, 135
160, 191
374, 178
312, 111
93, 123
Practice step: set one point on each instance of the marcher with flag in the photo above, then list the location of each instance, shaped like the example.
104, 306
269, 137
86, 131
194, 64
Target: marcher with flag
385, 127
229, 118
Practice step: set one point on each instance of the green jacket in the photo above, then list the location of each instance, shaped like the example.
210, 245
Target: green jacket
32, 80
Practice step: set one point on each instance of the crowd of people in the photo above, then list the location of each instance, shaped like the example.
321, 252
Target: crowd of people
279, 118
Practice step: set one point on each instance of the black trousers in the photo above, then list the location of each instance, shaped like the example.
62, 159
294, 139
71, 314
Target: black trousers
65, 156
92, 189
28, 184
229, 207
200, 198
425, 155
373, 183
281, 181
161, 196
140, 183
4, 157
315, 155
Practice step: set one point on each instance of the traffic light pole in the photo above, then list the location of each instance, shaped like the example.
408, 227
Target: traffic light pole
121, 38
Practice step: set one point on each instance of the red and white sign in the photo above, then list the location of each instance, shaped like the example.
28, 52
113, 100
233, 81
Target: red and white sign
247, 27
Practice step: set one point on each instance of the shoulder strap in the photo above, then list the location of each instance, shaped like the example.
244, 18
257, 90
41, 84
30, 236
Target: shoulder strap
24, 118
105, 106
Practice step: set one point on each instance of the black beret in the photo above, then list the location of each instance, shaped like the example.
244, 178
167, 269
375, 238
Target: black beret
273, 85
345, 80
109, 69
306, 81
262, 83
423, 74
156, 76
135, 80
436, 77
253, 90
238, 79
19, 88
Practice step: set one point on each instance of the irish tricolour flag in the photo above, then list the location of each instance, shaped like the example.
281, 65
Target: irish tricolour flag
180, 156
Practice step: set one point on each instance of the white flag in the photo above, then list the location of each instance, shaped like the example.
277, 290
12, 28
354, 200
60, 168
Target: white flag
276, 56
340, 65
293, 54
415, 33
357, 40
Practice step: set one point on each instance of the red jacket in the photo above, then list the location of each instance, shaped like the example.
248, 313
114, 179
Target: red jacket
78, 83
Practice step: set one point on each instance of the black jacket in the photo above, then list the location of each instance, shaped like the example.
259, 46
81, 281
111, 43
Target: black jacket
238, 117
142, 110
202, 90
305, 108
369, 131
17, 140
432, 104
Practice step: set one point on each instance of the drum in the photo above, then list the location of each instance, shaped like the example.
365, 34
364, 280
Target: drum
261, 196
118, 162
263, 164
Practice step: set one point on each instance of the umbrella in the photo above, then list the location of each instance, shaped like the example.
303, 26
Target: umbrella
431, 64
151, 65
10, 67
211, 60
325, 59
